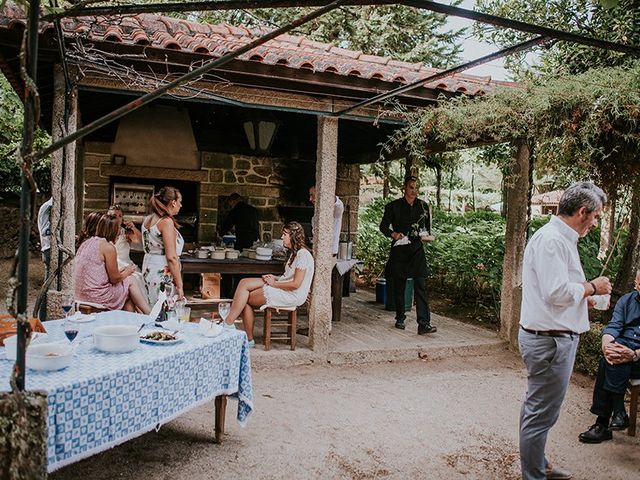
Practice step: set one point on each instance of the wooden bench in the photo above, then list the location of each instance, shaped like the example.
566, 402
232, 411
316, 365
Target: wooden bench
280, 317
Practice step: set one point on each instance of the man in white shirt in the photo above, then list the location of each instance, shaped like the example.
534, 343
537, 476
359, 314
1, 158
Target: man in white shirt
44, 228
555, 301
338, 210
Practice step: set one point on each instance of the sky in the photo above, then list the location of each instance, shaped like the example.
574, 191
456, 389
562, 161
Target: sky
473, 48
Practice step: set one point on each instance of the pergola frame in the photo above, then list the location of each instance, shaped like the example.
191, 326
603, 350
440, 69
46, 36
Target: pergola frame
327, 128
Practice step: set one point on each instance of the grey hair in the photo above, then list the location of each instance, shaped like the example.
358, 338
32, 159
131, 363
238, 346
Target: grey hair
581, 194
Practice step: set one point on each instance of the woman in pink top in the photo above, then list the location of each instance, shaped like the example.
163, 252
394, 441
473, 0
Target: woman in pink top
97, 277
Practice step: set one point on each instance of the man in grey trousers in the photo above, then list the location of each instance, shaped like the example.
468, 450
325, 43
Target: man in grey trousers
555, 301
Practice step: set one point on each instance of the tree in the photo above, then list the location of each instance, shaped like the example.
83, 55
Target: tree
404, 33
617, 23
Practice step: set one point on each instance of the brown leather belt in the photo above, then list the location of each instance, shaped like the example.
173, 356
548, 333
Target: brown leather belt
551, 333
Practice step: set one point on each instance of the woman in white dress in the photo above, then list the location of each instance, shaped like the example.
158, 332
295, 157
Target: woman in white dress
288, 290
162, 244
128, 235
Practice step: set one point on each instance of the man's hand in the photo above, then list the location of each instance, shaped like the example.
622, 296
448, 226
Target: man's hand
603, 286
615, 353
397, 235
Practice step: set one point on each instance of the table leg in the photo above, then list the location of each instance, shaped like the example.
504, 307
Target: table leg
336, 294
221, 409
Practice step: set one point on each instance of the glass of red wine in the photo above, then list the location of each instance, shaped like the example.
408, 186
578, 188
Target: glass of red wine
70, 328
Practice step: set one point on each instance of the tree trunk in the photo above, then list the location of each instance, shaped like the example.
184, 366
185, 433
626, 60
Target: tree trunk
607, 226
410, 167
631, 258
438, 185
385, 181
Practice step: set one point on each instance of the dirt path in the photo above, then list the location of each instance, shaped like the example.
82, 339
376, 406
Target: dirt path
453, 419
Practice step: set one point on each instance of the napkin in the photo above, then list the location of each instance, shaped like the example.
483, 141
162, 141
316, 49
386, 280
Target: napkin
155, 311
208, 328
403, 241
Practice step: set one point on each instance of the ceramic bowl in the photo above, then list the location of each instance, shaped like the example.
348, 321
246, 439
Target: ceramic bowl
218, 255
263, 257
49, 356
116, 338
10, 344
202, 253
232, 254
264, 252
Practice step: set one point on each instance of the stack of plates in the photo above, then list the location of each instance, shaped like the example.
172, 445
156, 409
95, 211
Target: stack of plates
263, 257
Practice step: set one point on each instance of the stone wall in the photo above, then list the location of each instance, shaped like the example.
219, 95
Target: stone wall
255, 178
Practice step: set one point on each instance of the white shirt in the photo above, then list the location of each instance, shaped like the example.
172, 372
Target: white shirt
552, 277
44, 224
338, 210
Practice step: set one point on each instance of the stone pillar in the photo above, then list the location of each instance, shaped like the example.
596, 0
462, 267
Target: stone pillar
63, 212
326, 171
517, 189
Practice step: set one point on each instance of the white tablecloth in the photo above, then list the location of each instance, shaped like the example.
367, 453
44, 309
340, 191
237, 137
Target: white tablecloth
103, 399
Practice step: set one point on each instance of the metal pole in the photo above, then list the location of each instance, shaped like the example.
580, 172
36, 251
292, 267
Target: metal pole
445, 73
25, 197
149, 97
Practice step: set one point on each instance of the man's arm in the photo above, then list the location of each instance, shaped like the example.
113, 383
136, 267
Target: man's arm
551, 264
387, 219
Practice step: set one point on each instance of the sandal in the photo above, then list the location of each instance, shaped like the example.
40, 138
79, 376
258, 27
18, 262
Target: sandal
252, 343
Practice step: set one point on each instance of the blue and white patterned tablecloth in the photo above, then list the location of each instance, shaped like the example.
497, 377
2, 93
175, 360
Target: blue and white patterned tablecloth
103, 399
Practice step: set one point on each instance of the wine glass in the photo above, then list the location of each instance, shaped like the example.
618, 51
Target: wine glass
223, 310
67, 305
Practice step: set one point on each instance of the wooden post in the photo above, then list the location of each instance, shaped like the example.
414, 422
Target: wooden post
63, 189
517, 190
326, 171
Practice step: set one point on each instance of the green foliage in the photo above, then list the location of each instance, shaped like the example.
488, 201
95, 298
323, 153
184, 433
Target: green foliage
616, 21
589, 350
11, 115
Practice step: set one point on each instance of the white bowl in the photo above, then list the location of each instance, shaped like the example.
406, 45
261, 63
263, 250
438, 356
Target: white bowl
218, 255
202, 253
10, 344
232, 254
264, 252
264, 258
116, 338
49, 356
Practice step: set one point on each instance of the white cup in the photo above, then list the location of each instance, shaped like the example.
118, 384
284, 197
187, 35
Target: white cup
602, 302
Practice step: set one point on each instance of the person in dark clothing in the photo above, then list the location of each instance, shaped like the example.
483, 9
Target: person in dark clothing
244, 218
620, 362
403, 220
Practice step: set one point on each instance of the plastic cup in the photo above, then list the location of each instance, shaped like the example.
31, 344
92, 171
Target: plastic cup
602, 302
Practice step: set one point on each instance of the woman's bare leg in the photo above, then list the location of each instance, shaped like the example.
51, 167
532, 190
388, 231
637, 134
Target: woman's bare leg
256, 299
138, 299
241, 297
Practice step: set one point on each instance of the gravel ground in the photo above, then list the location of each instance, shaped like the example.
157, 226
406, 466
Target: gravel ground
454, 419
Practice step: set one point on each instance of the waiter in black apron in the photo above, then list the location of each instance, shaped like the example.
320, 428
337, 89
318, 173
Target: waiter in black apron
404, 220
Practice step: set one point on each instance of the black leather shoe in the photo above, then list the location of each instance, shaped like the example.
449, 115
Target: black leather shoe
597, 433
427, 329
619, 421
400, 325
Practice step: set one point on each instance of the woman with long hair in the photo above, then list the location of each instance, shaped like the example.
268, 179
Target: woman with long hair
128, 234
97, 277
289, 290
162, 243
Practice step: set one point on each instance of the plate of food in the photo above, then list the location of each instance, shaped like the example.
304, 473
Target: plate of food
158, 337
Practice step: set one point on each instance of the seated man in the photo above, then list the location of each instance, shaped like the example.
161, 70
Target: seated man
621, 350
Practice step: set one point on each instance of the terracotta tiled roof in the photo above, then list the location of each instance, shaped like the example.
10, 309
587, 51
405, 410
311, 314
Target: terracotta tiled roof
287, 51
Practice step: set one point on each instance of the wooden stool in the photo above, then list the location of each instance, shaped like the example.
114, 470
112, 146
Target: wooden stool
634, 390
289, 321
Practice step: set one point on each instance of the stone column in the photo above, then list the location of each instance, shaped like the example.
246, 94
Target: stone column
517, 190
63, 212
326, 170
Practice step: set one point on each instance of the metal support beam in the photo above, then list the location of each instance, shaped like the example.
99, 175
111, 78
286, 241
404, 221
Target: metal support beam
445, 73
149, 97
202, 6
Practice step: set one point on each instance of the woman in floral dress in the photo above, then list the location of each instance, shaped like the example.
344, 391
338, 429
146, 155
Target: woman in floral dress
162, 244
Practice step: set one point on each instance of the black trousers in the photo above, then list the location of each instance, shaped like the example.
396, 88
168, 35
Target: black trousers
611, 380
419, 294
